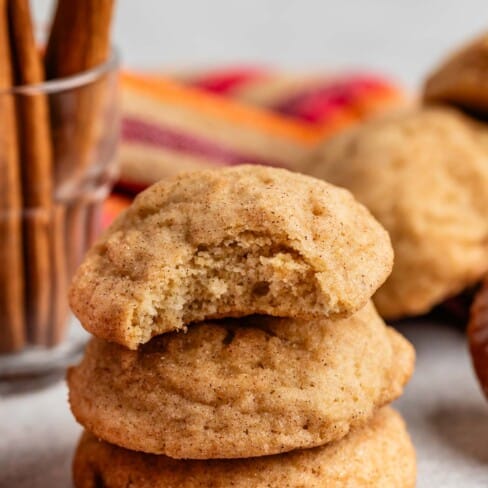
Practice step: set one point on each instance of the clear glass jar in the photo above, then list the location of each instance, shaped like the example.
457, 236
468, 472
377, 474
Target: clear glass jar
58, 142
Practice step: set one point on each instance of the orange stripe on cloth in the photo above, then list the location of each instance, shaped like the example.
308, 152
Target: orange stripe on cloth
219, 107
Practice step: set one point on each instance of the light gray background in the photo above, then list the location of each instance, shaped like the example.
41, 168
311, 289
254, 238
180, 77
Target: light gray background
444, 409
403, 38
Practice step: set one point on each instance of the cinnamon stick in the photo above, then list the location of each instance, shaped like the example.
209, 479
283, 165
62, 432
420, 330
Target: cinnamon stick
12, 321
79, 40
36, 169
80, 36
59, 310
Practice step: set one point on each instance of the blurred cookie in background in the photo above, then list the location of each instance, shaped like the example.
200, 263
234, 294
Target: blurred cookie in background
462, 79
424, 176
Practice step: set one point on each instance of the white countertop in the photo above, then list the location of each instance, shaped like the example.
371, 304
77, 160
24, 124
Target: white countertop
445, 411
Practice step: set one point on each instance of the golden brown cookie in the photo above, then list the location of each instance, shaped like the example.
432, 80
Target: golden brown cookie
424, 176
462, 79
230, 242
242, 387
379, 454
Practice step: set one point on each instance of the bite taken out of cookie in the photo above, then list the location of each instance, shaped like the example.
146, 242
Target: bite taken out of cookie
229, 243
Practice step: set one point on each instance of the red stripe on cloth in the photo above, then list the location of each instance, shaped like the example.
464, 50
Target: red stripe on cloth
317, 104
135, 130
225, 81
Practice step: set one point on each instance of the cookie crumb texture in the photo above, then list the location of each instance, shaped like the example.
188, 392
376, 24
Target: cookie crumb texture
229, 243
241, 388
379, 454
424, 175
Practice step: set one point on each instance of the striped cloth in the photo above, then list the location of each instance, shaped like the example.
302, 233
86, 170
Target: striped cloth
235, 115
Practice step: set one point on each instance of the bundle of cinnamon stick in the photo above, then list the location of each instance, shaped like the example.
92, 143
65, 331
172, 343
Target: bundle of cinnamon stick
41, 237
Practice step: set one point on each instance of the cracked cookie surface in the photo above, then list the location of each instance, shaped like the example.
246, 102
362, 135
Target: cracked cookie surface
230, 243
242, 387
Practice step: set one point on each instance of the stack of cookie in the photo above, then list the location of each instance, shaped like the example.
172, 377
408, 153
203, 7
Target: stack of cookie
236, 343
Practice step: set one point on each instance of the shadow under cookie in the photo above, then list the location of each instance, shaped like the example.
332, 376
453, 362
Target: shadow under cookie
463, 428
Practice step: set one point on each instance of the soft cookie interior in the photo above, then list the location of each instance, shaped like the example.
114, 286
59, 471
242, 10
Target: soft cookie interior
243, 274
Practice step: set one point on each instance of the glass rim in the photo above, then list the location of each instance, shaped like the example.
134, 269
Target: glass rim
57, 85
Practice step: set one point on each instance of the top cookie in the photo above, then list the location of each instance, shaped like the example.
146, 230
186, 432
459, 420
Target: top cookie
424, 176
230, 242
462, 80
